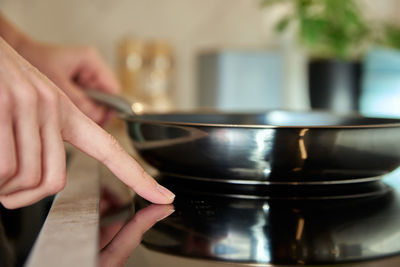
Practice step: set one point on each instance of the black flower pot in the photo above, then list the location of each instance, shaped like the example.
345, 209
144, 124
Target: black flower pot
334, 85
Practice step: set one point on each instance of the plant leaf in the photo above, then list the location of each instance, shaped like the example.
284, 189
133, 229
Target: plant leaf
283, 24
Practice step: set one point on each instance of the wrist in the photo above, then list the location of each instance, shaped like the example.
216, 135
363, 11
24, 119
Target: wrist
13, 35
28, 49
22, 43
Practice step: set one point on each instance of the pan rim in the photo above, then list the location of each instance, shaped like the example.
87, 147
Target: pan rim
139, 118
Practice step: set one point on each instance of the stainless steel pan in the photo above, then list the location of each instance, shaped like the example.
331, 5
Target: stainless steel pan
275, 147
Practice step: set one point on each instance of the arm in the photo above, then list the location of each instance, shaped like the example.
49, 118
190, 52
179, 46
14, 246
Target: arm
71, 68
11, 34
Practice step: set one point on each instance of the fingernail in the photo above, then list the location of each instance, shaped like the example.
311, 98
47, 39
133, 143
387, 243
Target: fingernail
168, 194
166, 215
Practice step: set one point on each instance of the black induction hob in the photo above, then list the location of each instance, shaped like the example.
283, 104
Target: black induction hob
283, 225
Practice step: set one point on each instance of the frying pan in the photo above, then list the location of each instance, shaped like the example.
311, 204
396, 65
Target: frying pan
272, 147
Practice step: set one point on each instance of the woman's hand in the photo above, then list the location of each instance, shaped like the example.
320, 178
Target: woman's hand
73, 69
35, 118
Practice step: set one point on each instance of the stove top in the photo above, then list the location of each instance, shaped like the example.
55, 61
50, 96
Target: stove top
284, 225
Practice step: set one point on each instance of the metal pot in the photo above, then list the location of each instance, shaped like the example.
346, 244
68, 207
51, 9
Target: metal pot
273, 147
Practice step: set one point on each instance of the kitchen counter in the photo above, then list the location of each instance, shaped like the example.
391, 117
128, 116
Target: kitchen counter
69, 236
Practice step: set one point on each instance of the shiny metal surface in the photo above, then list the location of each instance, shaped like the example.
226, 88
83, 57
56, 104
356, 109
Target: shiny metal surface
354, 231
255, 182
277, 147
298, 191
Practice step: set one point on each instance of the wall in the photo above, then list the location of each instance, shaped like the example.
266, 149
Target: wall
191, 25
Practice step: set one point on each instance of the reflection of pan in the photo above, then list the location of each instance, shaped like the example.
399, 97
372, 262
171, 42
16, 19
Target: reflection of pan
275, 147
319, 232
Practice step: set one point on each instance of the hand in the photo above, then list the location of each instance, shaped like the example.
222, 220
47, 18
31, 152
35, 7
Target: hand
35, 118
126, 238
73, 69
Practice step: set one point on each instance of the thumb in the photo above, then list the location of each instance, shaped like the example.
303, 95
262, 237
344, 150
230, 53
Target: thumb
90, 138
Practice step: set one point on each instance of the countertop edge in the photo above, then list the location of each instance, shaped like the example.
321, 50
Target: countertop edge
69, 236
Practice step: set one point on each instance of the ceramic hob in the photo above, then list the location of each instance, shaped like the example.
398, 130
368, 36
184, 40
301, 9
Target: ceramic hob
295, 225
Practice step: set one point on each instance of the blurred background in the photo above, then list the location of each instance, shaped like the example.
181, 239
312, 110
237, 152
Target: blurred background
242, 55
237, 55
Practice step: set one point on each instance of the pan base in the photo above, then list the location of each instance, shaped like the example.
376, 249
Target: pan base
269, 182
259, 190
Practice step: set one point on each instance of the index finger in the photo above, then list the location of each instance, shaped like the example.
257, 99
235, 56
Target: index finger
87, 136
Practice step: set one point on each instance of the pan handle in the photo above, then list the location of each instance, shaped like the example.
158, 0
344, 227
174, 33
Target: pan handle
116, 102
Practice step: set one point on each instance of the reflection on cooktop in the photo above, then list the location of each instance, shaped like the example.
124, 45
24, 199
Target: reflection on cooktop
287, 228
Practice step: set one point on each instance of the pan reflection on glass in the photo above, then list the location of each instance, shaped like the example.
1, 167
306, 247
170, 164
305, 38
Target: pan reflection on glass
278, 231
121, 233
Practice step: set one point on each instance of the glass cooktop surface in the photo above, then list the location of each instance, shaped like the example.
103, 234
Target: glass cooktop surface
286, 225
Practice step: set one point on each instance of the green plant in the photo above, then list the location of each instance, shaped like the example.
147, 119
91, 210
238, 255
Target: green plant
327, 28
391, 36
